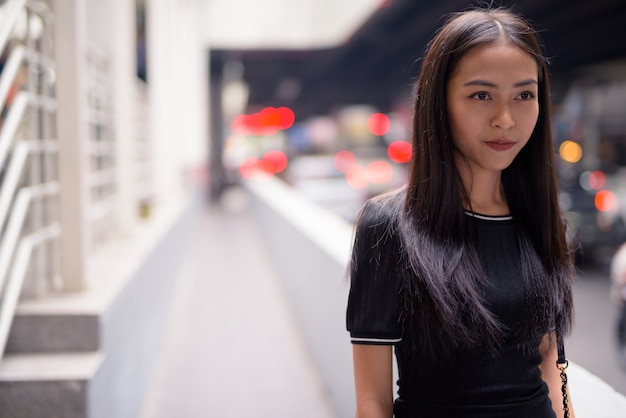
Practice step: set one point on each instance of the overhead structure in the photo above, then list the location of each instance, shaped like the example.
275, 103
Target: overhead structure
378, 64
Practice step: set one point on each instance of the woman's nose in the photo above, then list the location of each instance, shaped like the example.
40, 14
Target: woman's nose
503, 118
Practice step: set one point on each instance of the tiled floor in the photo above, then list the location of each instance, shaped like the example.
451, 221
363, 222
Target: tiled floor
232, 347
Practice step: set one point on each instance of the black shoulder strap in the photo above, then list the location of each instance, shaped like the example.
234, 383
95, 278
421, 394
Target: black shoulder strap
560, 348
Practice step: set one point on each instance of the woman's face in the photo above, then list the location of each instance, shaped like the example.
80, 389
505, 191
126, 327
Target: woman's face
492, 99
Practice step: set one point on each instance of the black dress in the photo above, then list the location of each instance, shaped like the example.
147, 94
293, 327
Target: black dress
461, 383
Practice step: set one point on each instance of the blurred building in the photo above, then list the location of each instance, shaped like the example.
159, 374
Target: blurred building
102, 149
104, 159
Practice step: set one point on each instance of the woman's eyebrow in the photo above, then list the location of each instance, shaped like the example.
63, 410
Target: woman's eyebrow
485, 83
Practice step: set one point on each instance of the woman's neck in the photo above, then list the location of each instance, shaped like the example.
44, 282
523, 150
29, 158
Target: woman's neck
484, 190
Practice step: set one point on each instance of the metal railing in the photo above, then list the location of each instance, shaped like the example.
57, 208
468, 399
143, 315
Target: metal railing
29, 187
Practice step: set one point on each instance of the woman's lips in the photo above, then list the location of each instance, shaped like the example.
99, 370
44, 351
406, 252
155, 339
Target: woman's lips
500, 144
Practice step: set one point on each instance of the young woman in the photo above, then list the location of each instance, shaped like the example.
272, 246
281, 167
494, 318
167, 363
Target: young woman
466, 270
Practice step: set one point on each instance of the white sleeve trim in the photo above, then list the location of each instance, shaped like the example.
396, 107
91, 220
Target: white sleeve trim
376, 340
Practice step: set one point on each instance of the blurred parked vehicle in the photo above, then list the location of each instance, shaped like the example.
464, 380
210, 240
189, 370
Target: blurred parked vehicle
618, 295
317, 177
342, 181
593, 211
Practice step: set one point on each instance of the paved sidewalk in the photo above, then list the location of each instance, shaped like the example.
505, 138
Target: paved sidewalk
232, 347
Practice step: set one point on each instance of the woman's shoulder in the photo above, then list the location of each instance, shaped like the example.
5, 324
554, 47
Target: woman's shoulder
382, 209
377, 240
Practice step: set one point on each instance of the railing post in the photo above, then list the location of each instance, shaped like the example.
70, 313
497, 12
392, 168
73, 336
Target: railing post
72, 134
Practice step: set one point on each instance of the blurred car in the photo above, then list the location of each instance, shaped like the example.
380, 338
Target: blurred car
593, 211
317, 177
342, 182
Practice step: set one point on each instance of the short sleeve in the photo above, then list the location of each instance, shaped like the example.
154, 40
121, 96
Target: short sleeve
374, 300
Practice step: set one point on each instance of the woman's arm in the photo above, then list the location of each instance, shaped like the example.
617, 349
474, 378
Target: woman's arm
373, 380
552, 375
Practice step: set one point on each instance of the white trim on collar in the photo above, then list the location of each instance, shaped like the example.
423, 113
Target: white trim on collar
489, 217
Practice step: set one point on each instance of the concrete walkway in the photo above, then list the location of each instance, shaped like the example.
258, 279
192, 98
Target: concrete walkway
232, 347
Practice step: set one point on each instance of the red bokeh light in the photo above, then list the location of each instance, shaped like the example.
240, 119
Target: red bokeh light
277, 160
269, 117
239, 124
357, 177
597, 179
266, 122
343, 160
247, 167
378, 124
286, 117
605, 201
379, 172
254, 124
255, 169
400, 152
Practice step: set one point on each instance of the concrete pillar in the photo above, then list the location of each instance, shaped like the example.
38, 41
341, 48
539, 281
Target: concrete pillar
72, 133
177, 94
194, 89
160, 61
123, 57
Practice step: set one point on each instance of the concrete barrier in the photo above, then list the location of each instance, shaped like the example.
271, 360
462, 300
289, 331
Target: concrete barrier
311, 248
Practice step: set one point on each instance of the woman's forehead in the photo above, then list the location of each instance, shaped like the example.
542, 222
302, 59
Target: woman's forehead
494, 61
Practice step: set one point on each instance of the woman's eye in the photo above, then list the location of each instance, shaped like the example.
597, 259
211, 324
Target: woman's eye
482, 95
526, 96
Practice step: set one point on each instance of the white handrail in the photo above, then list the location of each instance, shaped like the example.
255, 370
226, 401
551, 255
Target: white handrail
11, 180
13, 10
14, 171
12, 123
16, 113
14, 225
10, 298
19, 205
11, 68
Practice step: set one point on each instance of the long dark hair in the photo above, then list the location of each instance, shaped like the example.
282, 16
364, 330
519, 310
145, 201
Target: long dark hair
432, 226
